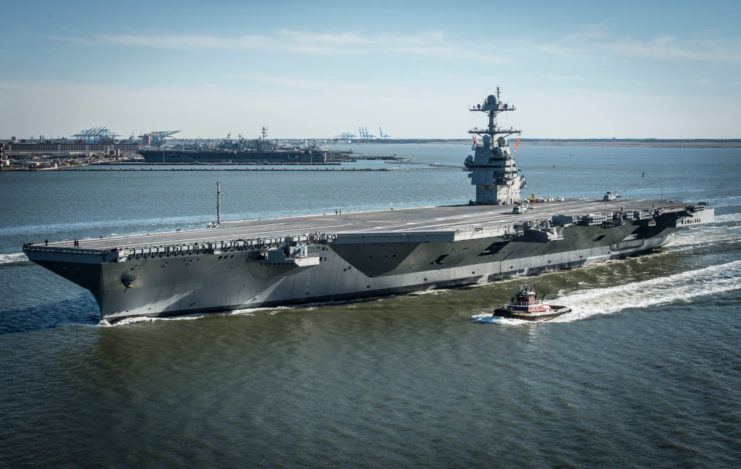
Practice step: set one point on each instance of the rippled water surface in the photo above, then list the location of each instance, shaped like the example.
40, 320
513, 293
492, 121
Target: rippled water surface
645, 371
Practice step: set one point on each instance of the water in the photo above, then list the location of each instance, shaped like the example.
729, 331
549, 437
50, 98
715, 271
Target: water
644, 372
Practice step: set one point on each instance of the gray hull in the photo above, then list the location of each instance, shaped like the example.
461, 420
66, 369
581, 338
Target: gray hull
192, 156
206, 277
311, 259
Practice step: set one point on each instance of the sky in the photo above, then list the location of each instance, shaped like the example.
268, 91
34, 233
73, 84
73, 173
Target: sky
628, 69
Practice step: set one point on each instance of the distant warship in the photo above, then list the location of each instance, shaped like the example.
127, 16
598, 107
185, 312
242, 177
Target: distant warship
260, 150
295, 260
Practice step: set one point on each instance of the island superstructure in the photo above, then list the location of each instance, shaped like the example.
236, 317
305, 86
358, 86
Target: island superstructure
493, 169
326, 258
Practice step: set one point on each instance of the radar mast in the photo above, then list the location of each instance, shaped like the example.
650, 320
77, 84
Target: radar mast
492, 168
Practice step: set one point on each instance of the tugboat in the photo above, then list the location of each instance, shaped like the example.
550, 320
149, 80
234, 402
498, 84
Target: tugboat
526, 305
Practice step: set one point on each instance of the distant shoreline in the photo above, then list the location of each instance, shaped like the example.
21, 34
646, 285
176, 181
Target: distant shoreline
649, 142
592, 142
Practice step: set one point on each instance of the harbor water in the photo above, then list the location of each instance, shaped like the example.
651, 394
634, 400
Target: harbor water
645, 371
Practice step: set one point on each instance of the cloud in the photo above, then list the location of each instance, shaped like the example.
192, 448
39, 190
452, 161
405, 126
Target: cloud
431, 44
285, 82
668, 47
186, 41
595, 41
350, 90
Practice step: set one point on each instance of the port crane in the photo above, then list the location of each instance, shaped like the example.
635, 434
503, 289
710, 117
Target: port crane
157, 137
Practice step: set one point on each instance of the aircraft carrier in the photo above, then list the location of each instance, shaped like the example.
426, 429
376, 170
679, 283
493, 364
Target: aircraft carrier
327, 258
260, 150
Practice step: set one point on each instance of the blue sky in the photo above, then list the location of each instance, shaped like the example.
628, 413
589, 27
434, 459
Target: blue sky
315, 69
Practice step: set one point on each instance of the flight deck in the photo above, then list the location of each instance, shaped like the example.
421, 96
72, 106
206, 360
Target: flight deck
425, 220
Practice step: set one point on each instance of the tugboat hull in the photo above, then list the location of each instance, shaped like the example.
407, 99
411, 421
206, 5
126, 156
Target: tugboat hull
557, 311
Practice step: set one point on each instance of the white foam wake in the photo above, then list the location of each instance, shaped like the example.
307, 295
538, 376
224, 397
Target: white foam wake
488, 318
13, 258
429, 291
657, 291
728, 217
705, 235
193, 316
140, 319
